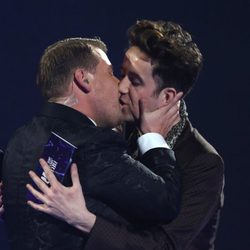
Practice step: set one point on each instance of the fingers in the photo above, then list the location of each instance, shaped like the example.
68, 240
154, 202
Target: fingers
168, 110
40, 184
141, 108
170, 116
134, 103
75, 175
41, 197
172, 106
133, 96
177, 97
174, 118
49, 174
39, 207
175, 100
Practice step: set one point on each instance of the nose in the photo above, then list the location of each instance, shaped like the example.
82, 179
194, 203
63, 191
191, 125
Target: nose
116, 80
124, 85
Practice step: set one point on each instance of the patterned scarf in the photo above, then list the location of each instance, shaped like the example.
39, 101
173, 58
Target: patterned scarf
177, 129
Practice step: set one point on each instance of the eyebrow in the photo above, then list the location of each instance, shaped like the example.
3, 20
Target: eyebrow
135, 75
132, 73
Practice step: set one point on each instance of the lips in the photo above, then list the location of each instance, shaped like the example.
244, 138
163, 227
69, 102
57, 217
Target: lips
122, 101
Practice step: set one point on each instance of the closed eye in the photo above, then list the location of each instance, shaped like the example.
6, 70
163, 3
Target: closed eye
135, 79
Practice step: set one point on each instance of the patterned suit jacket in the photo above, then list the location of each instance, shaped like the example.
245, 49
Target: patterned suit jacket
195, 227
113, 182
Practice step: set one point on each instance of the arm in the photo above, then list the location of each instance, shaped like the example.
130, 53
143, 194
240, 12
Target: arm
197, 209
199, 204
68, 204
111, 176
127, 186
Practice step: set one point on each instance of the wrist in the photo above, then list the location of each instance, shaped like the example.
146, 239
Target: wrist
151, 140
86, 223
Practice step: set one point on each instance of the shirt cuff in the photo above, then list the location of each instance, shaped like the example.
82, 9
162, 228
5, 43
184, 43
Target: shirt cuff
151, 140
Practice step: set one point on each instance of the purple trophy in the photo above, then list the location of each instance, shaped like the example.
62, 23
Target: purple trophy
58, 154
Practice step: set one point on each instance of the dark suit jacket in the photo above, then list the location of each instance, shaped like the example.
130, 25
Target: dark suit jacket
195, 227
112, 181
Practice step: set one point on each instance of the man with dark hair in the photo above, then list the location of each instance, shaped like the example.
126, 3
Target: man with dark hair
161, 61
76, 78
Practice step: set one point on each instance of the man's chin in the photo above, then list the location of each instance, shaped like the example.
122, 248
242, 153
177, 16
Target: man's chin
127, 116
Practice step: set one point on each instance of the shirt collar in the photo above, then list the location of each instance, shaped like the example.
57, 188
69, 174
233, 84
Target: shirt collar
66, 113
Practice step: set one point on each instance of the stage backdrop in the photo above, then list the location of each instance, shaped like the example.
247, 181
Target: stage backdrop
218, 106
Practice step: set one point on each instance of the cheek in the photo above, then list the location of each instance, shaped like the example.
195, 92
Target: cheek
150, 104
147, 99
143, 93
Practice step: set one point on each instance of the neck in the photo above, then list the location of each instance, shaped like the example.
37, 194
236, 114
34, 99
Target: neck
69, 101
83, 105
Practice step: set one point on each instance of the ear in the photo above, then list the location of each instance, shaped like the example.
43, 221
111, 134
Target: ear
81, 80
166, 96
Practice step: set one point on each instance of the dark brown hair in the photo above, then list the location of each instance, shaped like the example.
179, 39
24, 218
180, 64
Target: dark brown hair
61, 58
175, 58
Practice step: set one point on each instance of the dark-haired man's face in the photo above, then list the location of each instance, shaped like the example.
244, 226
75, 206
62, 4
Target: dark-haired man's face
136, 75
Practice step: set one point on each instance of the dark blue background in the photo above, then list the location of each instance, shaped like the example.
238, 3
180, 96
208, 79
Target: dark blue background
218, 106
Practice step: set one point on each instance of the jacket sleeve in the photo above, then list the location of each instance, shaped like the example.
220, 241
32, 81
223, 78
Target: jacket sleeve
198, 206
130, 188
